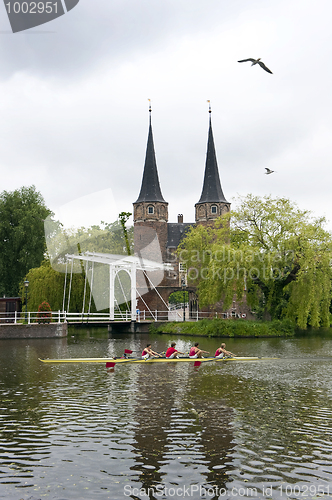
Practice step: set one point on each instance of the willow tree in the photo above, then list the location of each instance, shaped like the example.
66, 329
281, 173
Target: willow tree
270, 250
47, 285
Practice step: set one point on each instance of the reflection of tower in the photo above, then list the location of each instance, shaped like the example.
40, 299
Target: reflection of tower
214, 419
212, 203
153, 415
182, 435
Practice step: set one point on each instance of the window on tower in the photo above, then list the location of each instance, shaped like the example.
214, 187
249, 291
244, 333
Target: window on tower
150, 210
214, 209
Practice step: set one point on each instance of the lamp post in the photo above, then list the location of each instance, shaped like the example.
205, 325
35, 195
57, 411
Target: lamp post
26, 284
183, 284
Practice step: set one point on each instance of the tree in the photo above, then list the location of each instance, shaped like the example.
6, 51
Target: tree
111, 237
47, 285
178, 297
123, 217
268, 248
22, 240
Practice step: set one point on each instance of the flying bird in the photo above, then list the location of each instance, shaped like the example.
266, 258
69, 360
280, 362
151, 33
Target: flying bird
257, 61
268, 171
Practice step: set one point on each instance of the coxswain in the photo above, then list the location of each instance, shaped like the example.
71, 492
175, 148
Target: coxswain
172, 352
195, 352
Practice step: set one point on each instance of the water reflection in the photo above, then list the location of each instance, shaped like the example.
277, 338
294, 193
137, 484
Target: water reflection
77, 431
182, 437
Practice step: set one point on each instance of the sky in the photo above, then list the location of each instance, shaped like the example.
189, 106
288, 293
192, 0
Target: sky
74, 103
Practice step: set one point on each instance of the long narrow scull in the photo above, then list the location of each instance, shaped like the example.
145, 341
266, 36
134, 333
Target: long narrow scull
152, 360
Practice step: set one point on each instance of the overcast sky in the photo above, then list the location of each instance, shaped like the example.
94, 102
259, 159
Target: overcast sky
74, 103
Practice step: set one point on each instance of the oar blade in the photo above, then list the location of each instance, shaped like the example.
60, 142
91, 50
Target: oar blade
110, 364
128, 351
197, 363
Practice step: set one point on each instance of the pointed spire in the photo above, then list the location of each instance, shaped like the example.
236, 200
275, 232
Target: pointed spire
150, 189
212, 191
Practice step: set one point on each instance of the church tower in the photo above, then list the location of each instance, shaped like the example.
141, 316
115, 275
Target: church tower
150, 208
212, 203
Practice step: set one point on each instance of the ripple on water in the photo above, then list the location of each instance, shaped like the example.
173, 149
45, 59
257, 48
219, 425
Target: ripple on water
229, 426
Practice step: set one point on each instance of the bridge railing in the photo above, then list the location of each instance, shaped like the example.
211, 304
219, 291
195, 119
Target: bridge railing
61, 317
75, 317
22, 317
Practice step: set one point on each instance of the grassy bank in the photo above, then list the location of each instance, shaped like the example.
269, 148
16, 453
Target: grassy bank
228, 328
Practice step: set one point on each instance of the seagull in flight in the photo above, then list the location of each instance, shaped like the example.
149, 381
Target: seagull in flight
268, 171
257, 61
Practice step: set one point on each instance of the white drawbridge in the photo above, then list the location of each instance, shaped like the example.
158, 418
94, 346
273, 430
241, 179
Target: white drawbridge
116, 263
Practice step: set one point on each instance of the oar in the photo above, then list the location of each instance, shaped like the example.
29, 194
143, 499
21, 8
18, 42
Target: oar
198, 363
128, 351
110, 364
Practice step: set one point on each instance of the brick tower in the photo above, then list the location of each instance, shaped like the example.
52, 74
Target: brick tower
150, 208
151, 233
156, 239
212, 203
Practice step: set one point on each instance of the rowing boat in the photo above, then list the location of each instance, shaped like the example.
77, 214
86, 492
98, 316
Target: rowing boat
151, 360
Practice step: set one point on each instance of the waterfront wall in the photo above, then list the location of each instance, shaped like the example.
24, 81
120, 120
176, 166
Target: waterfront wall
33, 331
129, 327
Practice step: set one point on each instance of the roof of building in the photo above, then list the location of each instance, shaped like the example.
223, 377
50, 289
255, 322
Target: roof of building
212, 191
150, 188
9, 299
176, 231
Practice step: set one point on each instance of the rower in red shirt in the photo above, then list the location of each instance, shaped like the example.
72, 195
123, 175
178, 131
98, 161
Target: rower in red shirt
149, 353
221, 352
195, 352
172, 352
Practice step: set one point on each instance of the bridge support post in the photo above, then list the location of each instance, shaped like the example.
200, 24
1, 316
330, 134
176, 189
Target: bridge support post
111, 292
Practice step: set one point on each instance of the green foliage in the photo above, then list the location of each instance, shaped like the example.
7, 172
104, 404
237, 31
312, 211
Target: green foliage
22, 240
47, 285
270, 249
178, 297
123, 218
105, 238
229, 328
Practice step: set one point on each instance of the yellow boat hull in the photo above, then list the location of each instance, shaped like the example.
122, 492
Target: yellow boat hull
153, 360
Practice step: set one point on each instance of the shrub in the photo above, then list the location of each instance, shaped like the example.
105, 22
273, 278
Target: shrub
229, 328
44, 314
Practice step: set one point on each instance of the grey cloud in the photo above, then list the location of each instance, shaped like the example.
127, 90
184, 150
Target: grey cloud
113, 31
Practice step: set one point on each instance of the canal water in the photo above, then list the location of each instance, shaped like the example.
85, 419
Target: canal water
251, 429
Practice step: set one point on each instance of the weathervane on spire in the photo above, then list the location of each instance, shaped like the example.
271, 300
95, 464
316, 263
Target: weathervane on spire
210, 111
149, 105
